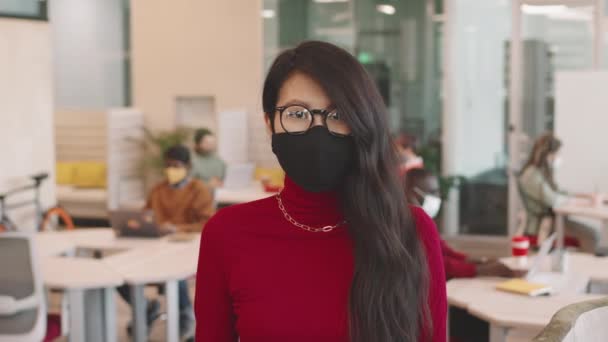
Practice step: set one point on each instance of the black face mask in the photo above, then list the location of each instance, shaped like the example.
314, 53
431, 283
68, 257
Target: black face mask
317, 161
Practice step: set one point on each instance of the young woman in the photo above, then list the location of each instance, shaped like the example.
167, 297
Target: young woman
336, 256
541, 194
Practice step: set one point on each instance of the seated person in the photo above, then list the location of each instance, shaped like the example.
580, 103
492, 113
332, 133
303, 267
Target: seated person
206, 165
540, 194
422, 189
180, 204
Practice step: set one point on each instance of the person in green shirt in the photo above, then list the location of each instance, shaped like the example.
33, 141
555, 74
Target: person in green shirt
206, 165
540, 194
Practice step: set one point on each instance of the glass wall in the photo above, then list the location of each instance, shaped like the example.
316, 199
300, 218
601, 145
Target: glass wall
429, 54
398, 43
90, 53
554, 38
29, 9
393, 39
476, 118
401, 44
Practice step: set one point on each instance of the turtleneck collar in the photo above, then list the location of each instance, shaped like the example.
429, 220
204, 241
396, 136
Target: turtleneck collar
316, 209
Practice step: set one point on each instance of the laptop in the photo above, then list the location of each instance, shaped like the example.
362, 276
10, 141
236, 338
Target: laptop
135, 223
239, 176
567, 282
541, 257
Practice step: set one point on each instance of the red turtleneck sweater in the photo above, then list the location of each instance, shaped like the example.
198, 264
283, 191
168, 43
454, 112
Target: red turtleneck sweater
261, 279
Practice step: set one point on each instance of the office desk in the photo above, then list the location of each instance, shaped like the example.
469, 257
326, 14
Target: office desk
585, 264
583, 209
506, 311
168, 268
254, 192
596, 268
133, 261
89, 286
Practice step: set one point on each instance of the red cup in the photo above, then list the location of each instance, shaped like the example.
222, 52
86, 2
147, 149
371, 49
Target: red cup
520, 246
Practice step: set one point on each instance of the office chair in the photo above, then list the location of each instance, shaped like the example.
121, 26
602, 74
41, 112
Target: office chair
579, 322
22, 299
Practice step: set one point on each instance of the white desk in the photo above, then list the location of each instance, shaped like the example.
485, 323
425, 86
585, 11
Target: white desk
89, 286
596, 268
133, 261
506, 311
254, 192
583, 209
585, 264
176, 263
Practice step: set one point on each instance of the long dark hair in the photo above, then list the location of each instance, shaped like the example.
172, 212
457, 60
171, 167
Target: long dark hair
539, 156
388, 295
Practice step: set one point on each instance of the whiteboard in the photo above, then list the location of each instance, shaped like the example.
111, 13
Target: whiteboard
581, 122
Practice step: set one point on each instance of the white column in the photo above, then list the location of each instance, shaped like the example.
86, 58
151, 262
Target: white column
449, 125
515, 96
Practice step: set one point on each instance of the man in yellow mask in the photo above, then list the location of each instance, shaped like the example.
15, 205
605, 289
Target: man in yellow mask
180, 204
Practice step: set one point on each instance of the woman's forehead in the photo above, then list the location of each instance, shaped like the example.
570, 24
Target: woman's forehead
300, 88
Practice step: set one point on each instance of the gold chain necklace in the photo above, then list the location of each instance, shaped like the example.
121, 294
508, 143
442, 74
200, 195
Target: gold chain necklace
291, 220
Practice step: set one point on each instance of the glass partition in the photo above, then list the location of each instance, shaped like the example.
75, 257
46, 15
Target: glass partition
91, 53
398, 42
444, 70
27, 9
476, 119
393, 39
554, 38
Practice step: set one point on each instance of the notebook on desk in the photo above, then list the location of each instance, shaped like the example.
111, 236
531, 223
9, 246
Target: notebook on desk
524, 287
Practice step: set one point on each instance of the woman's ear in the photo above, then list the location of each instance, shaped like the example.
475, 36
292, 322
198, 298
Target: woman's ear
268, 124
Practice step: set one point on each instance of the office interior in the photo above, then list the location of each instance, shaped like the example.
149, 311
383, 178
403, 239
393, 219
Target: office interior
92, 92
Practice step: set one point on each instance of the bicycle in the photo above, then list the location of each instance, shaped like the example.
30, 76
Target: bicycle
44, 218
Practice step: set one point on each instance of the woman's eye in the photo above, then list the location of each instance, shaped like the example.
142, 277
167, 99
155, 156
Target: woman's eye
300, 114
334, 116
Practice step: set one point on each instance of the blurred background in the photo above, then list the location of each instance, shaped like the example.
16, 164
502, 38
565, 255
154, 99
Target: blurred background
93, 92
471, 83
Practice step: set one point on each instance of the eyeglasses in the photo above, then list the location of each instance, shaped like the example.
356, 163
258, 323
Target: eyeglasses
297, 119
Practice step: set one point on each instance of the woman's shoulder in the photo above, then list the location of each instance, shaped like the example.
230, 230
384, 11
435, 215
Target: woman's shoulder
531, 174
421, 218
531, 171
231, 220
